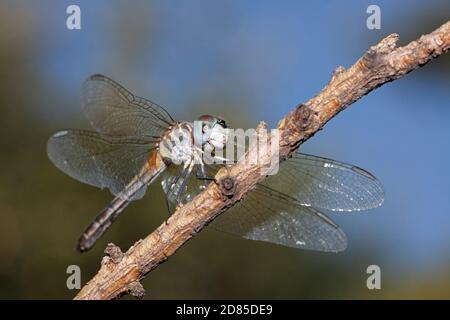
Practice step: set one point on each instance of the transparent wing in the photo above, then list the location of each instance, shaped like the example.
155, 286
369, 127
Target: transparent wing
174, 182
99, 160
268, 215
327, 184
113, 110
181, 185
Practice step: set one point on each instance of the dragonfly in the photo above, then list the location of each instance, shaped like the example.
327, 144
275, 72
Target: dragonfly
135, 141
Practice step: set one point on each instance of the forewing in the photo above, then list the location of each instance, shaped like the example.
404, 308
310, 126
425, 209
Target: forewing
327, 184
113, 110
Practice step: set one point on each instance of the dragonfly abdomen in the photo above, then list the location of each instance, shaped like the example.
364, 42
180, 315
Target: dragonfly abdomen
101, 223
110, 213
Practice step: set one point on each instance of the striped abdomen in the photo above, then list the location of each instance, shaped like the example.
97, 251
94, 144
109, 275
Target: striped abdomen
110, 213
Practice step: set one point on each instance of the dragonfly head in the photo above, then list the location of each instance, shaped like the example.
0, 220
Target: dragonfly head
211, 132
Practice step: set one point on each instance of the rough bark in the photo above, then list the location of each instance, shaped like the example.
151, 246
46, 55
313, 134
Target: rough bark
120, 273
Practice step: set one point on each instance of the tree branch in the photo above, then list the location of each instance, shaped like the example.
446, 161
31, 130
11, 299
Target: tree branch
120, 273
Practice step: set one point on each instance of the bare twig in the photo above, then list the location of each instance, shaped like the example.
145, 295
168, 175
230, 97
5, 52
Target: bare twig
120, 273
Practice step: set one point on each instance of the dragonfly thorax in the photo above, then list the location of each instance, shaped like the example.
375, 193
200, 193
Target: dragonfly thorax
186, 140
177, 145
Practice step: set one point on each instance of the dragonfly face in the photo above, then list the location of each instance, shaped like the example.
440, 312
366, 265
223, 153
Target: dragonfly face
135, 141
211, 133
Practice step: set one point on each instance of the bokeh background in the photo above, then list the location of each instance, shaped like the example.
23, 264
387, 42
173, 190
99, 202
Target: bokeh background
247, 61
